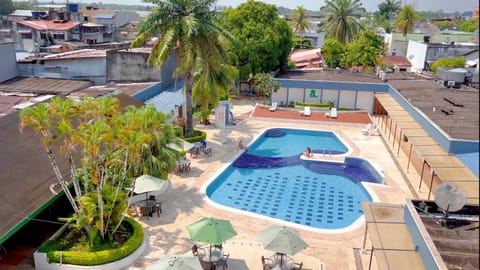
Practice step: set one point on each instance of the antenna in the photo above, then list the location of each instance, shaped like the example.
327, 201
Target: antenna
450, 197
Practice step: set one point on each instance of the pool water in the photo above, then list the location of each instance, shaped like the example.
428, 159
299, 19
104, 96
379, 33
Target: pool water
318, 194
281, 142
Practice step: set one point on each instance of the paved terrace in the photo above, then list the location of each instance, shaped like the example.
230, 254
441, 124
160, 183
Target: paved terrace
185, 204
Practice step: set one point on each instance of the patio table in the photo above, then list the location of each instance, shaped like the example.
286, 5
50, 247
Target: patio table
147, 207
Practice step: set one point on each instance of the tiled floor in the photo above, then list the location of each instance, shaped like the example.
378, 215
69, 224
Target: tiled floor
184, 203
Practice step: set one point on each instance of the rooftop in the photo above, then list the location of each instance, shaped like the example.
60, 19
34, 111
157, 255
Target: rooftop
42, 86
50, 25
424, 93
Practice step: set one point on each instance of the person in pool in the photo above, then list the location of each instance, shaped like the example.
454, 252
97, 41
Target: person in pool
308, 152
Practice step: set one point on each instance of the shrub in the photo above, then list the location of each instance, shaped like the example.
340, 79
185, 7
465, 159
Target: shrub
98, 257
319, 105
448, 63
202, 136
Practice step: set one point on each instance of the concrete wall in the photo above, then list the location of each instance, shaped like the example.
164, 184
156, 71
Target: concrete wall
93, 69
8, 68
416, 52
343, 94
128, 66
419, 234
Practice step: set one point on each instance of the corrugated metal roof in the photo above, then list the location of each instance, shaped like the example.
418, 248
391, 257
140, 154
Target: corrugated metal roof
21, 13
103, 16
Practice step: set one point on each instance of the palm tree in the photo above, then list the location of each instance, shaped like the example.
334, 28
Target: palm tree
406, 20
340, 19
189, 29
389, 7
300, 22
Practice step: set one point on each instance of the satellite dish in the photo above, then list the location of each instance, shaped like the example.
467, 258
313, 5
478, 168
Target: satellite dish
411, 56
450, 197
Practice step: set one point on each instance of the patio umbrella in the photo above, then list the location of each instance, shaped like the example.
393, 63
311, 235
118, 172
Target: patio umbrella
147, 183
184, 146
212, 231
175, 262
282, 240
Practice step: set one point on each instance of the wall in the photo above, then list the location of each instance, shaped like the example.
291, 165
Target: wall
129, 66
149, 92
416, 52
343, 94
8, 68
419, 234
92, 69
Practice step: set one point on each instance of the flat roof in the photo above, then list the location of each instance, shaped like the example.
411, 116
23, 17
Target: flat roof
422, 92
42, 86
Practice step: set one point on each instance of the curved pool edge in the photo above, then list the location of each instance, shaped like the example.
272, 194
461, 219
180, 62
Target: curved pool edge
360, 221
355, 224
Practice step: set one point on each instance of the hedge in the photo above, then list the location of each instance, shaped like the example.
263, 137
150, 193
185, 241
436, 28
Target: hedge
321, 105
199, 138
104, 256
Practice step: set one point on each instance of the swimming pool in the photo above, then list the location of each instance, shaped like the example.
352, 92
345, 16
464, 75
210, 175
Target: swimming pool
272, 181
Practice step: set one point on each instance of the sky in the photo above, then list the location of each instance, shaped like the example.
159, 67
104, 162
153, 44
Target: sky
370, 5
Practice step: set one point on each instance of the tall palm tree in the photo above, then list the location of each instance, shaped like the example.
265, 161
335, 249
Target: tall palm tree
300, 22
406, 20
389, 7
340, 19
189, 29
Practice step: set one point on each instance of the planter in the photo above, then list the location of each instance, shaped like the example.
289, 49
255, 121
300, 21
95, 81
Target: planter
42, 263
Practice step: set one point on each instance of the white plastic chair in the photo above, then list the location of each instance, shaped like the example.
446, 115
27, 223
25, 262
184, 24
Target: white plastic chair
333, 113
273, 107
306, 111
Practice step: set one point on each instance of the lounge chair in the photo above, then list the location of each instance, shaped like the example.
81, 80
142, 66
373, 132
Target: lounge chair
273, 107
306, 111
332, 114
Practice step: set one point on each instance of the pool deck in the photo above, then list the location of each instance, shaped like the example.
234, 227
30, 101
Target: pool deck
184, 203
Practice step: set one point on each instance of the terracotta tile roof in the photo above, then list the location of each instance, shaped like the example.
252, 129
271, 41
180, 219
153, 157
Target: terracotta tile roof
50, 25
396, 60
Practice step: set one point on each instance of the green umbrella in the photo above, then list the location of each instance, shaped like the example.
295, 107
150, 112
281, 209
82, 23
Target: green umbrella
211, 231
175, 262
282, 240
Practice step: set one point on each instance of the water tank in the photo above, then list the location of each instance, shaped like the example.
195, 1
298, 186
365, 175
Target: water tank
72, 7
426, 39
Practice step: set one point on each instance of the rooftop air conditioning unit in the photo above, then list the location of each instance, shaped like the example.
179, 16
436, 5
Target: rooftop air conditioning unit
450, 83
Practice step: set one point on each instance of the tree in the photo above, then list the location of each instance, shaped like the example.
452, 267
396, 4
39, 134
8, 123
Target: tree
340, 19
115, 147
468, 25
6, 7
364, 50
388, 8
265, 40
300, 23
190, 29
406, 20
332, 53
